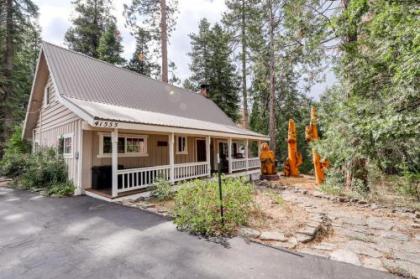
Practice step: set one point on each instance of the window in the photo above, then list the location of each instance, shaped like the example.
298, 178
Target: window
128, 145
47, 96
136, 145
181, 145
65, 145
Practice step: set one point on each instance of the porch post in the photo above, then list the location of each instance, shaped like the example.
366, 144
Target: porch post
259, 147
114, 140
208, 142
230, 154
246, 154
171, 157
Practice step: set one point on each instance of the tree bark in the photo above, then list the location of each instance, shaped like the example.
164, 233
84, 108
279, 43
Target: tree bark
271, 102
164, 40
7, 70
244, 88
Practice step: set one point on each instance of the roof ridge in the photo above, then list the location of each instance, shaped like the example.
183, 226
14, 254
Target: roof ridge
122, 68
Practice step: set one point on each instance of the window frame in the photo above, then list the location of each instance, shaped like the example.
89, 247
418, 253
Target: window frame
101, 154
185, 151
64, 137
47, 95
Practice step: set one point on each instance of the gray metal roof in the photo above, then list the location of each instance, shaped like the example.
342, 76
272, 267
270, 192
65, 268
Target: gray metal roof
89, 82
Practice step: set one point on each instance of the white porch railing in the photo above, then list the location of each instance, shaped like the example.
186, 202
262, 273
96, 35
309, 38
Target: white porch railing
238, 164
190, 170
254, 163
133, 179
241, 164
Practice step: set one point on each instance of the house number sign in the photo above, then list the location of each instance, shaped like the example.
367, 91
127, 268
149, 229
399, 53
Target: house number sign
106, 124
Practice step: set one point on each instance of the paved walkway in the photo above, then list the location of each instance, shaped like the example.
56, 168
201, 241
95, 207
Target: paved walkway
82, 237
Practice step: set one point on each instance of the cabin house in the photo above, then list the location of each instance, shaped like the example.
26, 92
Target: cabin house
120, 131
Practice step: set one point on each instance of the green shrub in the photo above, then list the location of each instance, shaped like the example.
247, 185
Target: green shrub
61, 189
16, 155
409, 184
44, 169
334, 183
197, 206
163, 190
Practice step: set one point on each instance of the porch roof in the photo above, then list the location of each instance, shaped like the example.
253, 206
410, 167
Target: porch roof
108, 112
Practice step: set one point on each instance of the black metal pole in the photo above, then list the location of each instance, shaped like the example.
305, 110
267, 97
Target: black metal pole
220, 189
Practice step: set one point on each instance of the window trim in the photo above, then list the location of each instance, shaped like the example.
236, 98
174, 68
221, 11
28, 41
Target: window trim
125, 154
64, 136
185, 151
47, 95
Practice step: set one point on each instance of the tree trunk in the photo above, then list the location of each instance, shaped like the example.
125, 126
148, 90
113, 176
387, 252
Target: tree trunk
164, 40
244, 88
271, 111
7, 70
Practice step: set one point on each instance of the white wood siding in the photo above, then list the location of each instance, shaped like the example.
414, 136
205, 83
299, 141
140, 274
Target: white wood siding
54, 121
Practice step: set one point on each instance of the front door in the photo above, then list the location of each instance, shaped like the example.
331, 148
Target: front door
201, 150
223, 155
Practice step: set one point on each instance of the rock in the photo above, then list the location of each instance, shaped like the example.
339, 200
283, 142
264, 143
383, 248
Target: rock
309, 230
293, 240
315, 252
303, 238
317, 194
402, 268
343, 199
354, 200
417, 237
395, 235
415, 225
373, 263
286, 245
325, 246
276, 236
346, 256
248, 232
417, 214
408, 257
362, 202
379, 223
354, 221
374, 206
362, 248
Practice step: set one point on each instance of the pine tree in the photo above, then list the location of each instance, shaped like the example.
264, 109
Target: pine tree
19, 44
87, 27
237, 21
110, 47
142, 60
212, 64
158, 16
200, 56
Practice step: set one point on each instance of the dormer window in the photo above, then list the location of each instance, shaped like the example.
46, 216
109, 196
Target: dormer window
47, 96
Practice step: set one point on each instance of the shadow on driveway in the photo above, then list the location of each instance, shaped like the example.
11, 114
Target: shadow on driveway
81, 237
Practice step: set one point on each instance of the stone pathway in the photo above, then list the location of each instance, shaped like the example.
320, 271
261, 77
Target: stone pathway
351, 231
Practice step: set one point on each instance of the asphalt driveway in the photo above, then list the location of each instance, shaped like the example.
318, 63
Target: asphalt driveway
82, 237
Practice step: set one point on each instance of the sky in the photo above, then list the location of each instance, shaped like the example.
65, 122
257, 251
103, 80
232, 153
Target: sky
55, 18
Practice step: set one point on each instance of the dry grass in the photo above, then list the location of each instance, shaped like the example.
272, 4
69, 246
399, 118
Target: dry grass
273, 213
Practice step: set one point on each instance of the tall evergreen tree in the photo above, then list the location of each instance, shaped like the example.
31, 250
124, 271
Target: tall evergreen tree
237, 20
19, 44
110, 47
158, 17
87, 27
200, 55
212, 64
142, 60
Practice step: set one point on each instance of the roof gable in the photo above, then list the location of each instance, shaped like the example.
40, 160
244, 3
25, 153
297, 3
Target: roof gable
81, 77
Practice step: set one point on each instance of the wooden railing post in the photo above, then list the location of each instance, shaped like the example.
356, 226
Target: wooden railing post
208, 142
246, 154
114, 140
230, 154
172, 157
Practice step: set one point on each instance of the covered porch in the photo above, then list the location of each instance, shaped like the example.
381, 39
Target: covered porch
136, 159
